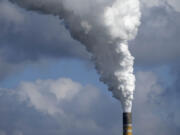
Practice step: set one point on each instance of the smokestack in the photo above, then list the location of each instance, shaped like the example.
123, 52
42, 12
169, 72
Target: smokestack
127, 123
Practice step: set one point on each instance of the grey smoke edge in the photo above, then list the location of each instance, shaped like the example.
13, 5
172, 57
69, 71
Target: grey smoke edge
36, 39
25, 38
41, 6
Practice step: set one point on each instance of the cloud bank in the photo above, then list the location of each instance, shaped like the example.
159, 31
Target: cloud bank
79, 109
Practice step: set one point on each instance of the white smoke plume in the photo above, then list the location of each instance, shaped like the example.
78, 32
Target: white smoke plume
104, 27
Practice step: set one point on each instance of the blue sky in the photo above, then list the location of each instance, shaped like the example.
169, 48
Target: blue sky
48, 85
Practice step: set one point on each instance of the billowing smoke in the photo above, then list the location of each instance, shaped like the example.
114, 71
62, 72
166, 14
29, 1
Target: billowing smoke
104, 27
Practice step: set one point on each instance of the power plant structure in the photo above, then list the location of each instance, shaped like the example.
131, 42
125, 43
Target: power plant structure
127, 123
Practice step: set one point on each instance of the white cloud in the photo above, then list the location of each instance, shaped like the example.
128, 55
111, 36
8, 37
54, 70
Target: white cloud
50, 96
76, 100
63, 89
32, 93
65, 100
87, 110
